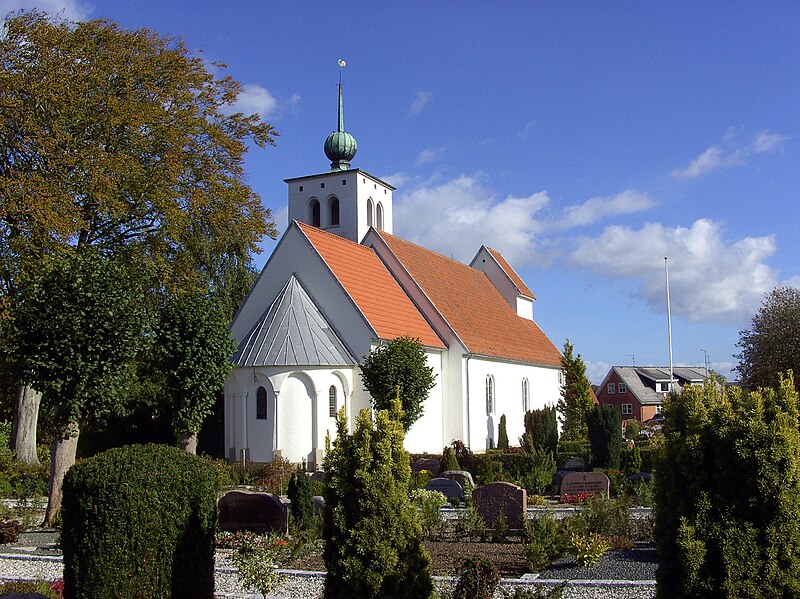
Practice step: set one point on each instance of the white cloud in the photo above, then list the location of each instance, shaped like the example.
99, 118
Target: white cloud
461, 215
71, 10
419, 103
732, 151
711, 279
523, 135
294, 100
429, 155
595, 371
595, 209
396, 179
255, 99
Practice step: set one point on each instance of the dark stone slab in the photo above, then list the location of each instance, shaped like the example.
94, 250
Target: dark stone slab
319, 502
428, 464
318, 475
635, 478
462, 477
495, 498
575, 463
586, 482
448, 487
245, 510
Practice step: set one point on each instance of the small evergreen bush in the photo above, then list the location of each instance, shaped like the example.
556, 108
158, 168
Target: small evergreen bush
138, 522
545, 542
502, 435
542, 426
448, 461
299, 493
605, 436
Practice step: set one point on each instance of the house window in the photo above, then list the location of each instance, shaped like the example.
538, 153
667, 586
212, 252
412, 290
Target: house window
659, 409
524, 395
314, 210
490, 395
344, 181
622, 388
611, 388
261, 404
332, 404
627, 409
379, 212
560, 377
334, 212
322, 185
369, 212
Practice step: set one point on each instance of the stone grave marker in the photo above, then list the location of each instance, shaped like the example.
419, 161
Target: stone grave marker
495, 498
596, 483
318, 475
246, 510
462, 477
429, 464
448, 487
319, 503
574, 463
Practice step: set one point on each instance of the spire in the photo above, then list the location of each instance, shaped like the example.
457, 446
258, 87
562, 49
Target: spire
340, 146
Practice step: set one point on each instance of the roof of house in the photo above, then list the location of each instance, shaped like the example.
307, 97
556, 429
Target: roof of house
522, 288
637, 377
374, 291
473, 307
292, 330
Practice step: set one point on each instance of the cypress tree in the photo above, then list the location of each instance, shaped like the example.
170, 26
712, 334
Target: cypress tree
299, 493
502, 435
605, 436
542, 426
448, 461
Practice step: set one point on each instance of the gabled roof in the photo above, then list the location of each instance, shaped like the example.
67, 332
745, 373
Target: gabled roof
292, 331
512, 275
372, 288
637, 377
473, 307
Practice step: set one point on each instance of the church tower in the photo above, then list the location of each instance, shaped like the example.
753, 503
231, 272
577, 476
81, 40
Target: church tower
343, 201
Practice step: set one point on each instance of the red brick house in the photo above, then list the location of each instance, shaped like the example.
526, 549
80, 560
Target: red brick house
638, 391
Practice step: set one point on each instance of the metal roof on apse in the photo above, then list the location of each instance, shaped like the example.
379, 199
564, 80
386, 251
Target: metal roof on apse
292, 331
373, 289
473, 307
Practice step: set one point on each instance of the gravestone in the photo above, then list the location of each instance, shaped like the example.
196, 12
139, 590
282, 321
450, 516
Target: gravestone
574, 463
495, 498
259, 512
428, 464
319, 503
462, 477
318, 475
448, 487
596, 483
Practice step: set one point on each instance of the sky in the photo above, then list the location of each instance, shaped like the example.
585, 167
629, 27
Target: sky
586, 141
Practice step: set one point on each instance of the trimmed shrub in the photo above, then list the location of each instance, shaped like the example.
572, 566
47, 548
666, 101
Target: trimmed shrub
728, 494
138, 522
605, 436
373, 538
542, 426
631, 460
299, 493
502, 435
572, 449
448, 461
539, 470
544, 543
9, 531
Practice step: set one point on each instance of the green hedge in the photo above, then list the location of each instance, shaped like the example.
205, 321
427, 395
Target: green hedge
138, 522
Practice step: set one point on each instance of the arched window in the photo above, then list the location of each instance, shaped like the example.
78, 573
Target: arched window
379, 213
261, 404
334, 206
490, 395
332, 403
369, 212
314, 210
525, 395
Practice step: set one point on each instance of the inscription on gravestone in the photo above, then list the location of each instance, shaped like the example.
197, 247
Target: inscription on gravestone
449, 488
245, 510
596, 483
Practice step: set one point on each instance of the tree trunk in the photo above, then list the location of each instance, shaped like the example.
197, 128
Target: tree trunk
25, 421
62, 457
189, 442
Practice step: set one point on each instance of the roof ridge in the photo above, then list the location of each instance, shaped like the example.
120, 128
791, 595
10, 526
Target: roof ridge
306, 228
430, 251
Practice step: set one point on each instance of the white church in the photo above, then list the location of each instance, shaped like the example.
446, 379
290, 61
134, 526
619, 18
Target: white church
337, 285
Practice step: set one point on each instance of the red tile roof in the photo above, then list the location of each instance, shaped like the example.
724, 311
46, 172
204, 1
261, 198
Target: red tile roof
511, 273
378, 296
473, 307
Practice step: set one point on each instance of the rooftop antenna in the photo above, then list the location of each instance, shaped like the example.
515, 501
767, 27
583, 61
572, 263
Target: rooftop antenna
705, 359
669, 327
633, 359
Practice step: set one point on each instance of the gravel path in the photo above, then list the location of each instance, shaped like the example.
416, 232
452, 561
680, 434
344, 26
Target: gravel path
619, 575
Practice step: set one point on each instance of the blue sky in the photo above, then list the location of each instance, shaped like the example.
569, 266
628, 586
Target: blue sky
584, 140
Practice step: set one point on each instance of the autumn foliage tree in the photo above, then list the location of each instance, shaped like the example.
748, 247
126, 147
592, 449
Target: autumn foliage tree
122, 142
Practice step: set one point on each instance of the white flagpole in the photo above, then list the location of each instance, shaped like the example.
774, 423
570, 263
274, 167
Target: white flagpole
669, 326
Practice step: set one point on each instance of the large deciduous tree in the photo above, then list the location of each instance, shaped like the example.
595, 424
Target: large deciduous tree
194, 348
79, 323
124, 142
399, 365
576, 396
771, 345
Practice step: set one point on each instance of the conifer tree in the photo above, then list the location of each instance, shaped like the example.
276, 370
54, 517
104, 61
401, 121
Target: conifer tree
605, 436
448, 461
373, 538
576, 397
299, 493
502, 435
